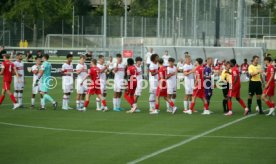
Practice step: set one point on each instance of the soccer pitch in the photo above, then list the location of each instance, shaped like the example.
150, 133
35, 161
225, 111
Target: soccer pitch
34, 136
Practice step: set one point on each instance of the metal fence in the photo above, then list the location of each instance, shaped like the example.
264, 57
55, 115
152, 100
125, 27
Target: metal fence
180, 23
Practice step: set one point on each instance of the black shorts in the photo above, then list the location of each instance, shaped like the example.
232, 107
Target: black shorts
225, 90
255, 88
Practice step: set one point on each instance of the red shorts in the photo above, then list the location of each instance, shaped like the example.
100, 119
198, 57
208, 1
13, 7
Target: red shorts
269, 91
94, 90
162, 89
234, 93
7, 85
199, 93
131, 87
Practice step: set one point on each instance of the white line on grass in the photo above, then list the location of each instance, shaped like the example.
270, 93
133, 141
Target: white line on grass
143, 158
129, 133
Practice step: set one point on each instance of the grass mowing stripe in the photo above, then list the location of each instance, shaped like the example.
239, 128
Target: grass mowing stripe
137, 134
143, 158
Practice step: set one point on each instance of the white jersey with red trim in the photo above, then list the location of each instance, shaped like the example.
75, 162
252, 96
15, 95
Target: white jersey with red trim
68, 69
20, 70
120, 73
103, 74
35, 68
83, 73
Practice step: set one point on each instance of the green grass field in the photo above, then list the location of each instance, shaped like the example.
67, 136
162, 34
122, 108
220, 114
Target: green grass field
34, 136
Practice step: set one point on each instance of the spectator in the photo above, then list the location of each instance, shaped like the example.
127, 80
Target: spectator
39, 54
2, 52
29, 56
89, 57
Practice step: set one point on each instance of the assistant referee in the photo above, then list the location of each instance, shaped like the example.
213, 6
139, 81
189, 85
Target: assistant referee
255, 83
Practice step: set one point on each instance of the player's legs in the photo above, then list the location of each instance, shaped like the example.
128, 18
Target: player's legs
2, 96
86, 102
103, 101
268, 101
206, 106
65, 101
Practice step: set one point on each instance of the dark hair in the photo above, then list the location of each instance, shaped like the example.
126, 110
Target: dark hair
255, 57
7, 56
245, 59
269, 59
130, 61
37, 58
199, 60
69, 56
160, 61
46, 56
82, 56
94, 61
186, 53
228, 62
101, 56
138, 59
233, 62
171, 60
18, 54
118, 55
153, 57
268, 55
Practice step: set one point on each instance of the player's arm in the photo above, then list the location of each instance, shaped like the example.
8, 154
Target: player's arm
116, 68
88, 75
15, 72
170, 75
40, 74
196, 81
271, 78
153, 72
2, 69
235, 77
104, 69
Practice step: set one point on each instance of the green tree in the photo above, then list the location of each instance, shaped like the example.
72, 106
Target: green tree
144, 8
114, 8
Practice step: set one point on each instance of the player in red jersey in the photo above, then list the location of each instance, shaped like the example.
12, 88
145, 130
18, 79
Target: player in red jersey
131, 85
244, 67
162, 88
234, 87
199, 88
268, 93
7, 70
95, 85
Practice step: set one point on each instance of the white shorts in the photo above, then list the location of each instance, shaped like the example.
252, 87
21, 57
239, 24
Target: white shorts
189, 86
18, 86
139, 87
118, 85
67, 86
81, 89
171, 89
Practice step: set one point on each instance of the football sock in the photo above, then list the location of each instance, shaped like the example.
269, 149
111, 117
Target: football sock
98, 103
16, 95
65, 101
242, 103
185, 105
168, 105
33, 101
269, 104
86, 104
49, 98
249, 103
19, 98
192, 106
2, 99
157, 106
13, 99
114, 102
224, 104
104, 103
42, 103
259, 102
78, 104
229, 105
171, 104
206, 106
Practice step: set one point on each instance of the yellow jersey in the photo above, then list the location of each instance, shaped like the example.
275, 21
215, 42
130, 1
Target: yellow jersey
225, 76
252, 69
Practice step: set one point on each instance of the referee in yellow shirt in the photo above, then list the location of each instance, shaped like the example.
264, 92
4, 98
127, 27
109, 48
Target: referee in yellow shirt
255, 83
225, 78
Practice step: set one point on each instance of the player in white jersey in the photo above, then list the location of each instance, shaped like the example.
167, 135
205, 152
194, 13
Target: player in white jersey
81, 70
67, 81
103, 69
19, 81
148, 59
119, 82
153, 80
188, 70
35, 89
179, 67
165, 58
171, 82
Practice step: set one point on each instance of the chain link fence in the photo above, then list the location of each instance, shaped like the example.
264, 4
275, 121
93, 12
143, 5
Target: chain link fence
180, 23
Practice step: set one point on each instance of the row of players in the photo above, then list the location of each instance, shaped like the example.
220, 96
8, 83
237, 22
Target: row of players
162, 82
